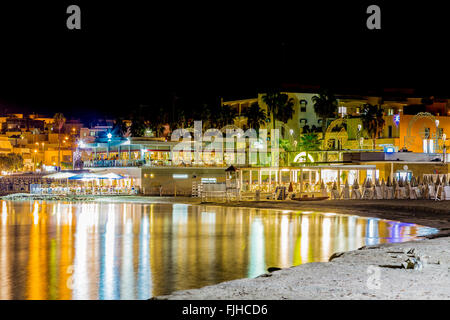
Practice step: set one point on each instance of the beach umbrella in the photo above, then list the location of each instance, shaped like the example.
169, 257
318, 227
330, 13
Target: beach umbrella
85, 176
355, 184
60, 175
111, 175
388, 182
413, 182
377, 182
334, 186
291, 187
346, 184
444, 180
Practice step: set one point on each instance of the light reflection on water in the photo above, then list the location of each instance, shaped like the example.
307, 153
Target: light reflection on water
60, 250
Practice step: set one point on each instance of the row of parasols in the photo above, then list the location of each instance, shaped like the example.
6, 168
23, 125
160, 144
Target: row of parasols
86, 176
427, 188
416, 188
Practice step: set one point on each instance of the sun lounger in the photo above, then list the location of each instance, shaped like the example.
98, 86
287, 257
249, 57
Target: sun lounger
345, 194
378, 193
389, 193
446, 193
438, 195
335, 194
356, 194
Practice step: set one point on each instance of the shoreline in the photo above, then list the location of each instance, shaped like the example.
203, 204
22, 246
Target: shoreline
372, 272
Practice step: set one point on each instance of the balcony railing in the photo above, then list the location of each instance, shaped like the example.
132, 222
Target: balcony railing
113, 163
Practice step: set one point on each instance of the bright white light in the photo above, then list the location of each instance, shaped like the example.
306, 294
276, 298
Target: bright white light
109, 135
180, 176
302, 155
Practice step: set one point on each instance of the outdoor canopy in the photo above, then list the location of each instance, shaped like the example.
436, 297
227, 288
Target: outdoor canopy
97, 175
60, 175
85, 176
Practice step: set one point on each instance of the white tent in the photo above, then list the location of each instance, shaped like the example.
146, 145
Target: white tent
60, 175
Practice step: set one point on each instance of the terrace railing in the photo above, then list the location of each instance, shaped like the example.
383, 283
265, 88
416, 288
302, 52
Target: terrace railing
113, 163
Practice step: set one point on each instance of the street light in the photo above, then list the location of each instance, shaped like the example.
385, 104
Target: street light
359, 135
437, 133
35, 159
444, 149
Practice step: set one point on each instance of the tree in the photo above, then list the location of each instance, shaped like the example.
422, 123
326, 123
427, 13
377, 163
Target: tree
279, 105
120, 128
325, 106
309, 142
138, 122
372, 121
256, 117
58, 122
11, 162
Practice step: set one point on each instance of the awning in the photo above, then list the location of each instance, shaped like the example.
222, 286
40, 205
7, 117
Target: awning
85, 176
60, 175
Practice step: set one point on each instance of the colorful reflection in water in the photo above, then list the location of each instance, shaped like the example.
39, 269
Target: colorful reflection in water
58, 250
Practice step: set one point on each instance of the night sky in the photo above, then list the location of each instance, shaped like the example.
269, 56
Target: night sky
133, 52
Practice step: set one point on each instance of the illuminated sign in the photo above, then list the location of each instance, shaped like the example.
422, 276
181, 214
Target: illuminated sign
396, 119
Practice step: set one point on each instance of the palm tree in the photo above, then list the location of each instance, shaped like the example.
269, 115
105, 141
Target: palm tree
256, 116
372, 121
309, 142
279, 105
224, 116
325, 106
58, 122
138, 122
120, 128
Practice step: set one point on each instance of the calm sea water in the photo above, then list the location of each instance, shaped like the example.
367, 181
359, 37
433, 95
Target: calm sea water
60, 250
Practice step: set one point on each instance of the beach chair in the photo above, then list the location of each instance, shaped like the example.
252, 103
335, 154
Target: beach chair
356, 194
335, 194
431, 192
378, 193
446, 192
438, 196
345, 194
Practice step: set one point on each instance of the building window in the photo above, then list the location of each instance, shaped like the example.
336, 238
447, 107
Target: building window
303, 104
390, 112
390, 131
342, 111
303, 121
427, 133
440, 132
428, 146
357, 110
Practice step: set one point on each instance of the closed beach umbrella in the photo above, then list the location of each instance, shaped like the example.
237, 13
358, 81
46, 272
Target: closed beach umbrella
291, 187
355, 184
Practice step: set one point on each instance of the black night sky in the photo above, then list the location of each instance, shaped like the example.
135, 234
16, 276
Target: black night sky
133, 52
